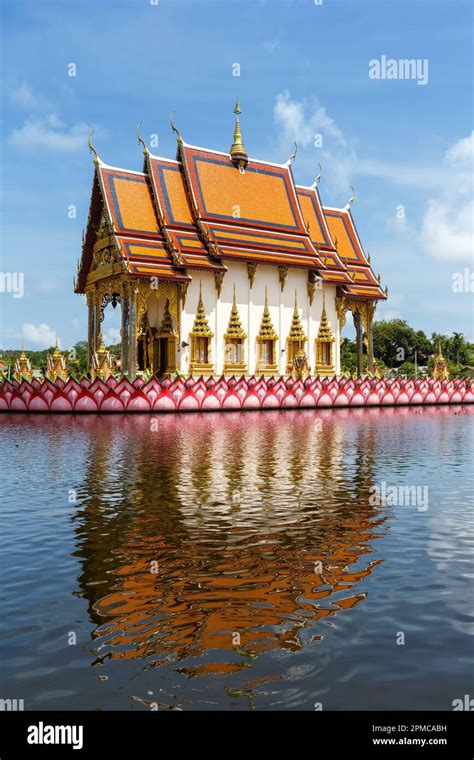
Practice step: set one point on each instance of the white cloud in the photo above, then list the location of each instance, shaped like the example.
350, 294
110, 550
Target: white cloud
51, 133
41, 336
447, 229
24, 97
112, 336
310, 125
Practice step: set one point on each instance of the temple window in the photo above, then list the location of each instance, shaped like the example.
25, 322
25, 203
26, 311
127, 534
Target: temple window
266, 340
324, 346
234, 342
296, 344
200, 337
202, 350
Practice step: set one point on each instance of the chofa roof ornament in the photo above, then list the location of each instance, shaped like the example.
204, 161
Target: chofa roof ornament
293, 156
178, 136
141, 140
92, 149
318, 178
350, 201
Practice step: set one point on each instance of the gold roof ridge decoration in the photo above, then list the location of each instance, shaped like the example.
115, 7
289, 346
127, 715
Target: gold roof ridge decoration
201, 326
234, 328
296, 330
238, 151
267, 331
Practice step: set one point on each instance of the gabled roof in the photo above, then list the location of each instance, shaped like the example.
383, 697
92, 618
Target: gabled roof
349, 248
200, 210
263, 196
129, 202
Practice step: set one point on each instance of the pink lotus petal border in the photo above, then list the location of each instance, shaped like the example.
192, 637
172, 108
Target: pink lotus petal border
227, 394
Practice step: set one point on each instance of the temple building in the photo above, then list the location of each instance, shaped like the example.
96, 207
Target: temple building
221, 264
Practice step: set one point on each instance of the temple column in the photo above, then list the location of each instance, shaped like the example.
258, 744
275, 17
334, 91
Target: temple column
359, 344
90, 295
97, 318
370, 346
125, 333
367, 315
132, 336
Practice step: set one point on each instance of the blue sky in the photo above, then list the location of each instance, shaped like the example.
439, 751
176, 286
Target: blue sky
304, 71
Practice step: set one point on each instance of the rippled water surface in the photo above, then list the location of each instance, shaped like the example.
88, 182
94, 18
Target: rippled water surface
236, 561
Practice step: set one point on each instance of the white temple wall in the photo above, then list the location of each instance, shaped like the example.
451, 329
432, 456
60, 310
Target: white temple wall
250, 303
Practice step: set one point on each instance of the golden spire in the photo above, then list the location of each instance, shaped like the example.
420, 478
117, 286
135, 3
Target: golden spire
22, 367
56, 364
324, 332
201, 325
234, 328
238, 151
296, 330
101, 347
267, 331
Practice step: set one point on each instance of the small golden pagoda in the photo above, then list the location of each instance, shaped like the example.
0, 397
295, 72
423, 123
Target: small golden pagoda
201, 335
102, 364
295, 341
238, 152
167, 337
440, 367
56, 365
324, 345
234, 358
266, 343
23, 368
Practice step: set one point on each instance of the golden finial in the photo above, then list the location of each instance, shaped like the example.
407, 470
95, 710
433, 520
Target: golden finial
92, 149
238, 152
318, 178
296, 328
368, 257
293, 156
386, 290
141, 140
178, 136
379, 278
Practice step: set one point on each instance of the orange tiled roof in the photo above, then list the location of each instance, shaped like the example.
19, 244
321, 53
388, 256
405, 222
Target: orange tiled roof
149, 258
129, 201
199, 210
344, 234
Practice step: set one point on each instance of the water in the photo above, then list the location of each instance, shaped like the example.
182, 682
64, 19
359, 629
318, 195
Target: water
155, 543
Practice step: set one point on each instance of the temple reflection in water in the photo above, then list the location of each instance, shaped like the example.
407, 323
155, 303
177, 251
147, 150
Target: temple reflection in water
206, 528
